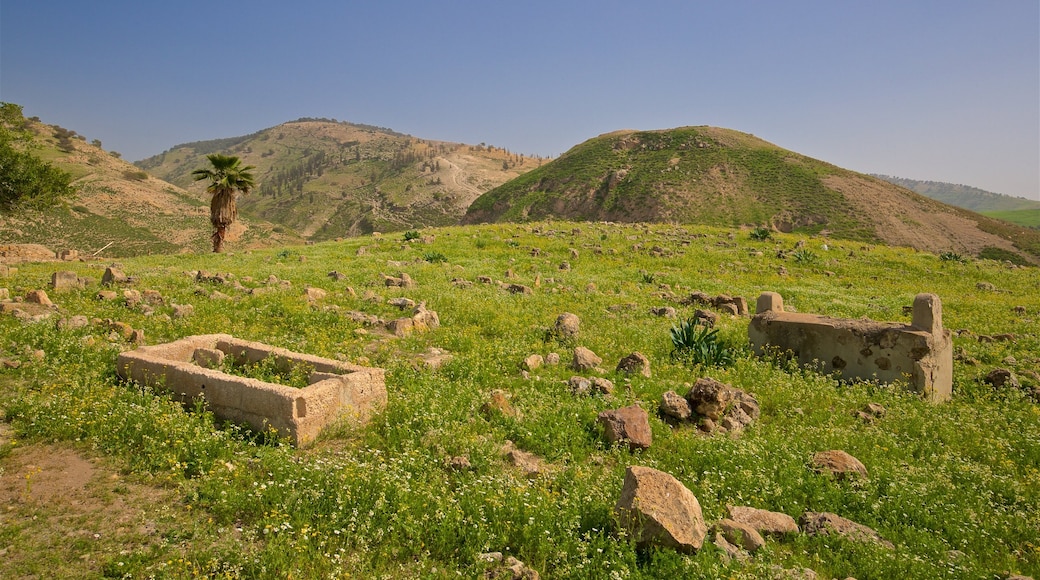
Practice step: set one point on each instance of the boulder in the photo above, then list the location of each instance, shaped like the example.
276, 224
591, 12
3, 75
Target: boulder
628, 424
659, 511
764, 521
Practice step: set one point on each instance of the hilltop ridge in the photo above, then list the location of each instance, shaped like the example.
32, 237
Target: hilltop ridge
716, 176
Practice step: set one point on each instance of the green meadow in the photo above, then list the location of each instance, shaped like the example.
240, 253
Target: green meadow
954, 486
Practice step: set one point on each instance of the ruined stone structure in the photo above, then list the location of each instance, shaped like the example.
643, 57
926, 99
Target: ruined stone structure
337, 390
920, 354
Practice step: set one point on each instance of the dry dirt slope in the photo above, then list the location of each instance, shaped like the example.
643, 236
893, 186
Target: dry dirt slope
122, 209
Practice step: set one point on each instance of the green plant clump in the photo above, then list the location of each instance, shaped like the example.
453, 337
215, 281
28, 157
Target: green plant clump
694, 344
760, 234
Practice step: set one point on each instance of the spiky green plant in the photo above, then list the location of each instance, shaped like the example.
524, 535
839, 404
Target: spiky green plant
695, 344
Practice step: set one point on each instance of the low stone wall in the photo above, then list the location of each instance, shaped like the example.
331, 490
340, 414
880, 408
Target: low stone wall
920, 354
337, 390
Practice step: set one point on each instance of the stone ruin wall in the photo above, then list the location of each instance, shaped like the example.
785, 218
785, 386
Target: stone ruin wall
337, 390
920, 354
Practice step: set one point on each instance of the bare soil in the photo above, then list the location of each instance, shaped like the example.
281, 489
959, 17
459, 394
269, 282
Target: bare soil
65, 513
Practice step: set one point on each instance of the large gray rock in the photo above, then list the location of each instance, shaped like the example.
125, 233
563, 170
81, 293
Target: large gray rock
629, 424
659, 511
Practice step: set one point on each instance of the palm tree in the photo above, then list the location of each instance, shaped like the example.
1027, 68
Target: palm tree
227, 177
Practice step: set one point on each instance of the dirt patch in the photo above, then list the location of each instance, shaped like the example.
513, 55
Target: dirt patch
66, 514
917, 223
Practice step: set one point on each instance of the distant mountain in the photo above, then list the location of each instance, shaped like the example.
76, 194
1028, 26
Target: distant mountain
1017, 210
120, 210
326, 179
708, 175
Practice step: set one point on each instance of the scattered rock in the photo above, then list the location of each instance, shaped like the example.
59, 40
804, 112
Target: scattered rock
634, 363
434, 358
183, 310
337, 276
817, 523
659, 511
114, 276
519, 289
764, 521
602, 385
402, 281
705, 317
531, 464
458, 463
986, 286
740, 534
720, 407
585, 359
73, 322
498, 403
567, 326
508, 568
675, 406
1001, 378
314, 294
553, 358
402, 303
580, 386
838, 464
533, 362
38, 297
731, 551
663, 311
628, 424
65, 280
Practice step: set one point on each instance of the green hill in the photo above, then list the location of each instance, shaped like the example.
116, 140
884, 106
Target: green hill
708, 175
327, 179
105, 478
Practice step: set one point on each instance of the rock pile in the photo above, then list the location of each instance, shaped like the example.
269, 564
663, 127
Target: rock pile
712, 406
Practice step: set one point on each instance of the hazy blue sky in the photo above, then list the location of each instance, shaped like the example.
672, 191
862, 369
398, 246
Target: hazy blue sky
946, 90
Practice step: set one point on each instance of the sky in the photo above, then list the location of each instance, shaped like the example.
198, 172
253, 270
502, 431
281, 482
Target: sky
933, 90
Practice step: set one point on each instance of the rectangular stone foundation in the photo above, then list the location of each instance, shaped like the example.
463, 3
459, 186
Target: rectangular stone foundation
920, 354
337, 390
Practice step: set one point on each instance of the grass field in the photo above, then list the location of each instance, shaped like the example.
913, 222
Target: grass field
954, 486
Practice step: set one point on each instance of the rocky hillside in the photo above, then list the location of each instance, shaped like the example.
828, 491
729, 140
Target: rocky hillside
708, 175
120, 210
327, 179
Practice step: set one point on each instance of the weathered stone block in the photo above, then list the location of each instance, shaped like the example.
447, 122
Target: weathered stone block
337, 390
920, 353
